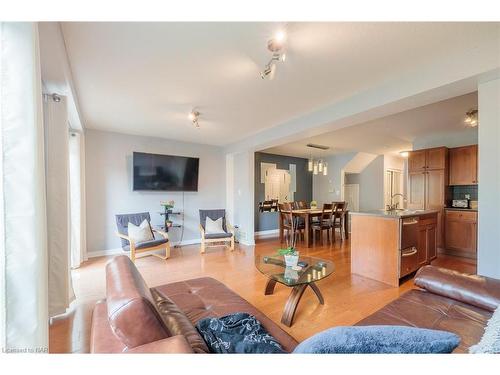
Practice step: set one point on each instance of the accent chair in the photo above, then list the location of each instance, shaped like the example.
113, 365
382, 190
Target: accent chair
158, 243
214, 239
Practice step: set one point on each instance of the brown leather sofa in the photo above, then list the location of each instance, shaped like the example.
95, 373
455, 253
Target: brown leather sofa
447, 300
136, 319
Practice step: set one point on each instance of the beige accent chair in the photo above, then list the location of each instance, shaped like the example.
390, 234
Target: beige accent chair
215, 239
159, 242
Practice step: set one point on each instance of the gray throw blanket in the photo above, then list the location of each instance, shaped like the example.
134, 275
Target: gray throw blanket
237, 333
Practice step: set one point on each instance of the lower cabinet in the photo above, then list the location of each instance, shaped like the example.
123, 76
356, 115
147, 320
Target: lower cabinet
461, 233
427, 241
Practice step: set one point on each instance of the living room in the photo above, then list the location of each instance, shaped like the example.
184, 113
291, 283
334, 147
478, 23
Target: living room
309, 188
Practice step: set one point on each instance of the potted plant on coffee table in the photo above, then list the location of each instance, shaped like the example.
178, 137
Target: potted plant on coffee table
290, 253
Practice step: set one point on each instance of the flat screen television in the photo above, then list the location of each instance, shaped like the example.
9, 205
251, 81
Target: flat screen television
165, 172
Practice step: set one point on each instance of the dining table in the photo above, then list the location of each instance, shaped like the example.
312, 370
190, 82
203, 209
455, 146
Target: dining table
308, 214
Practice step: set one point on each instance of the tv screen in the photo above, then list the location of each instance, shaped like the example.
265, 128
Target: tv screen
165, 172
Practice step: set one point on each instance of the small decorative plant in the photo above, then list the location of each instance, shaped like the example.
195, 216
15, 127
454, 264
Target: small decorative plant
167, 204
290, 253
169, 223
314, 204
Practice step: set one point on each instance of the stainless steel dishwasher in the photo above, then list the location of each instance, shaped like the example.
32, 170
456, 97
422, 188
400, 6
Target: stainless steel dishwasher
408, 246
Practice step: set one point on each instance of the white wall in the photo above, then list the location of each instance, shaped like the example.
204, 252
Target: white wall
109, 185
489, 180
241, 200
371, 185
468, 136
327, 189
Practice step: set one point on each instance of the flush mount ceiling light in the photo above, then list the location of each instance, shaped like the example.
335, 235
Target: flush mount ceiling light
276, 46
471, 118
193, 116
404, 154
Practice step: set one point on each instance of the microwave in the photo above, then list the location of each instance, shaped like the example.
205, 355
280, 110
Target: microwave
460, 203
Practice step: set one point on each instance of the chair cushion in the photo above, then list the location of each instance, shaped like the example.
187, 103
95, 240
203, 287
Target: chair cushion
213, 226
214, 215
140, 233
212, 236
379, 339
122, 221
146, 244
132, 312
178, 323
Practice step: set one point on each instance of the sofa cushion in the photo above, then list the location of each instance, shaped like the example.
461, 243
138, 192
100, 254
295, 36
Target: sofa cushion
178, 323
206, 298
480, 291
131, 309
422, 309
379, 339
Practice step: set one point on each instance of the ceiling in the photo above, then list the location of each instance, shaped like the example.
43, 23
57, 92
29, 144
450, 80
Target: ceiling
391, 134
144, 78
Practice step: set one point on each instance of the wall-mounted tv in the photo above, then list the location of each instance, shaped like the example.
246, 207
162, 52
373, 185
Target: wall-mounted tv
165, 172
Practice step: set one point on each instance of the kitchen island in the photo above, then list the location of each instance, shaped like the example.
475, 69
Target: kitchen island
389, 245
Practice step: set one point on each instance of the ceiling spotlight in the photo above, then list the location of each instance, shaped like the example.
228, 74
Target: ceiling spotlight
193, 116
280, 36
471, 118
276, 47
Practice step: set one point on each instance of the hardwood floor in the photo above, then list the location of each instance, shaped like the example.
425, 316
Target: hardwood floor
348, 298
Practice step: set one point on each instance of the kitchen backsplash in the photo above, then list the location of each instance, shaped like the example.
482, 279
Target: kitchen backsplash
458, 192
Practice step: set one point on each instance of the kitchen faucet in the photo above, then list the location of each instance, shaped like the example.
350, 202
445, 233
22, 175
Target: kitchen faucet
392, 206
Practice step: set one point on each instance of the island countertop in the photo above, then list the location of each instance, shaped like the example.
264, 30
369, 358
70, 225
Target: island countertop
394, 214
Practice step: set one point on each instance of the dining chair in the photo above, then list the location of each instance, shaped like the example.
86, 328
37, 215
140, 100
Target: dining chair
286, 217
325, 223
339, 212
302, 205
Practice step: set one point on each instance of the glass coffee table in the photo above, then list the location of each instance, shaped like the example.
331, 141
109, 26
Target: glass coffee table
314, 269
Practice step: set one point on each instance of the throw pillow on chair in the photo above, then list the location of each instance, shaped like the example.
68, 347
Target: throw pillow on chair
214, 226
140, 233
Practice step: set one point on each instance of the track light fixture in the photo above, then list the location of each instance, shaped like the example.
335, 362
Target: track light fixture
193, 116
276, 46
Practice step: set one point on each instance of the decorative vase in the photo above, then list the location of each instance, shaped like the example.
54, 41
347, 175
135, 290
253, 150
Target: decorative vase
291, 260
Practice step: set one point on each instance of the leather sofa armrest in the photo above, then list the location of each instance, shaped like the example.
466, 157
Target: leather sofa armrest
479, 291
170, 345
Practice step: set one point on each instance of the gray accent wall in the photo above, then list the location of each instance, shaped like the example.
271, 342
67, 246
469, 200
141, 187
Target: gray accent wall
269, 220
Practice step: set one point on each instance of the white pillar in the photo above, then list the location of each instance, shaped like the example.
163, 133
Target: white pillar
489, 179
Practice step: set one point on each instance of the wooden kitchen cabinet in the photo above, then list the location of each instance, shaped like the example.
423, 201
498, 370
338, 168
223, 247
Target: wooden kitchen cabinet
463, 165
424, 160
427, 240
461, 232
417, 161
427, 186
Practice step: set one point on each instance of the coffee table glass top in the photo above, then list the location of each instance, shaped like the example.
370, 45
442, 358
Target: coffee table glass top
314, 269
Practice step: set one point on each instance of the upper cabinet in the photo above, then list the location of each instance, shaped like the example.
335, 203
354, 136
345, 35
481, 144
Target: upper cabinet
429, 159
463, 165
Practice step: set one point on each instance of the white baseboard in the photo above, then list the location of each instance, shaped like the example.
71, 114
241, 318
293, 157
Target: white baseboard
119, 250
267, 233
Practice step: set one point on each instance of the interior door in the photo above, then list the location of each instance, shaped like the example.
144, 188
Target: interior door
416, 189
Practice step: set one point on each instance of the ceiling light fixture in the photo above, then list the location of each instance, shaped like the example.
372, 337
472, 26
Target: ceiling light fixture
404, 154
317, 166
276, 47
193, 116
471, 118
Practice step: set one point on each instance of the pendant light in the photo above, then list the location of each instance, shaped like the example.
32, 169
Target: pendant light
315, 168
325, 169
320, 166
310, 164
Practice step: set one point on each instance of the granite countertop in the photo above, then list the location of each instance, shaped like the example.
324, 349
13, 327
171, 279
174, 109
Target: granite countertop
394, 214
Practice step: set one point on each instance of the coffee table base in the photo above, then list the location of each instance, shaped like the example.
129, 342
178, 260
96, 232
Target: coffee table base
293, 299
